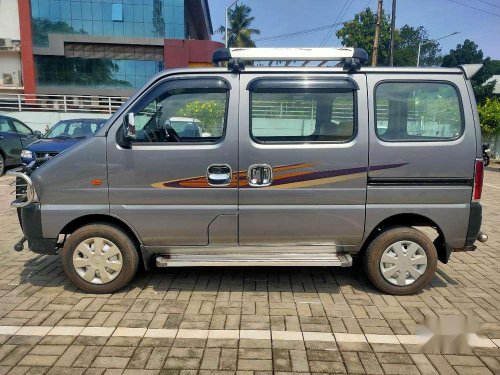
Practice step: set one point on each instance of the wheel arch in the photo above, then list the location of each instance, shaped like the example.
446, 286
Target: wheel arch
105, 219
409, 220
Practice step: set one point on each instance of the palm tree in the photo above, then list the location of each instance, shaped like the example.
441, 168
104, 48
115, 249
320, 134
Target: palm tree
239, 33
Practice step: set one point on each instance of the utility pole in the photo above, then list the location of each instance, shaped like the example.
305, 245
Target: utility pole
393, 26
377, 33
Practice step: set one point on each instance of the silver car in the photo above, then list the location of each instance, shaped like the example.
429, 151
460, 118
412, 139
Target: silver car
288, 164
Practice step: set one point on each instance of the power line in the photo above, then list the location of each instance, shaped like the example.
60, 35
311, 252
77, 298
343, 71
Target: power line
300, 32
327, 36
493, 5
343, 15
471, 7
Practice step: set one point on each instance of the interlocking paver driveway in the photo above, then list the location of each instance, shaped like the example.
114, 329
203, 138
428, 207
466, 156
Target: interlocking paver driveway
212, 320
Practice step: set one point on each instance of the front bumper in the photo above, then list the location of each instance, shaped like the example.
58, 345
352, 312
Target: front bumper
30, 219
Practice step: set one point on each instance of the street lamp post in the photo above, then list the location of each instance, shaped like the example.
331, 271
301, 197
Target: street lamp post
430, 41
227, 20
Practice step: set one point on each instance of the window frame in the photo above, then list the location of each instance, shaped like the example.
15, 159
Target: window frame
14, 121
303, 85
416, 140
147, 97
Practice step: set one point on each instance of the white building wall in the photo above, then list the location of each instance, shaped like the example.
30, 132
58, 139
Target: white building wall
10, 59
9, 19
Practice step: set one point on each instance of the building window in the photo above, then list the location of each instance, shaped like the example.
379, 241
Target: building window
117, 12
114, 18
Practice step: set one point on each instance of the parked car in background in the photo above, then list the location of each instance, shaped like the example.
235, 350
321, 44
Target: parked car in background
14, 136
60, 137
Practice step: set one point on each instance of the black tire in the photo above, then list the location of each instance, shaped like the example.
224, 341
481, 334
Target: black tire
2, 164
129, 254
376, 249
486, 160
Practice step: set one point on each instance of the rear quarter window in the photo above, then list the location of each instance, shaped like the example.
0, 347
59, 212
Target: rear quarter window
418, 111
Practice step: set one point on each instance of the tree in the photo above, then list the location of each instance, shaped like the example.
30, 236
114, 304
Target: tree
489, 116
209, 112
468, 53
42, 27
239, 31
406, 47
158, 20
360, 33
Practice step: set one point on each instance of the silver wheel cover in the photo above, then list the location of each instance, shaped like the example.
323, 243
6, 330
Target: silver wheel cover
97, 260
403, 262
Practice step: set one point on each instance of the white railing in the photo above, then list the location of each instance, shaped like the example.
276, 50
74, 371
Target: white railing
60, 103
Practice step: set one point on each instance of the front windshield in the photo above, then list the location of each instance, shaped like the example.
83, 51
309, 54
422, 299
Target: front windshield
73, 129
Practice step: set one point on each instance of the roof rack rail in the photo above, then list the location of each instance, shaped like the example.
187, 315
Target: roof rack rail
350, 58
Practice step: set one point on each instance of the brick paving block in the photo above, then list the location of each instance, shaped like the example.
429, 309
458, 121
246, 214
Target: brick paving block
38, 360
471, 370
157, 358
398, 369
281, 360
111, 362
353, 363
210, 359
329, 367
255, 364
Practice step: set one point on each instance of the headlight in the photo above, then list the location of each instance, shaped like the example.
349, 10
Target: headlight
26, 154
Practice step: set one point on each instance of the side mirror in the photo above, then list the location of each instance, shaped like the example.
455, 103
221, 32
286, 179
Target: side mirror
129, 126
37, 134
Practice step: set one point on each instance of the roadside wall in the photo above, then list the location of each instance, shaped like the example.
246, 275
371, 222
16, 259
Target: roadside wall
39, 120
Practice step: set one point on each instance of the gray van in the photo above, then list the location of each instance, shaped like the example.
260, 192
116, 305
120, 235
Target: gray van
300, 164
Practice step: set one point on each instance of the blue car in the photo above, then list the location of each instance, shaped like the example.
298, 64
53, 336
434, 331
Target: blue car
60, 137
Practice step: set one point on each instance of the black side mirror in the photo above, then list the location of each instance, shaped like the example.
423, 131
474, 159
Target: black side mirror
37, 134
127, 135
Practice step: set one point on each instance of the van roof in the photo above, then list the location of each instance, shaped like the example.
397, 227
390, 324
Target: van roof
315, 69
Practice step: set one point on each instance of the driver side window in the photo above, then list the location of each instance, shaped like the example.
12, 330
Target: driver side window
183, 115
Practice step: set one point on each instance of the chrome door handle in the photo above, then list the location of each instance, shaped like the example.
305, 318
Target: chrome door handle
260, 175
219, 175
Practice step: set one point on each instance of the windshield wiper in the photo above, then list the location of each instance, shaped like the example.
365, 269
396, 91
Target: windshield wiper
60, 137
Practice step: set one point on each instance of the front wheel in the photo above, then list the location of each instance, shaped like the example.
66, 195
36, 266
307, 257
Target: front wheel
401, 261
486, 160
99, 258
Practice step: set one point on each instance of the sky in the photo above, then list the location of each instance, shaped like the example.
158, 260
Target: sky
439, 17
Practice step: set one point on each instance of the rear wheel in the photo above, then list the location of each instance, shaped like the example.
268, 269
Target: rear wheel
100, 258
401, 261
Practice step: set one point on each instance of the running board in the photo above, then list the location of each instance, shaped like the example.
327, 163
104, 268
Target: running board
276, 259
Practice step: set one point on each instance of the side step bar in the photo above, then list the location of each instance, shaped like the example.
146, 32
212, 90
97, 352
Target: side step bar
224, 260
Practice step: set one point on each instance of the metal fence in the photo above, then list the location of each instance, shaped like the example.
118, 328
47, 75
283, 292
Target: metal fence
61, 103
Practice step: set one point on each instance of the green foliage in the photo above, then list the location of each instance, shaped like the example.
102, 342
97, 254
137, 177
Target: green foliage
58, 70
468, 53
360, 33
209, 112
158, 20
42, 27
489, 116
239, 31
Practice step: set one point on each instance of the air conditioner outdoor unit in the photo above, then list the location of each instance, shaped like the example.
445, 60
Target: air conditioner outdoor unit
9, 79
5, 43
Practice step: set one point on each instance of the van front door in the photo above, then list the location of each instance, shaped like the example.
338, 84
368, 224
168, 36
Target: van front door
303, 159
176, 184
